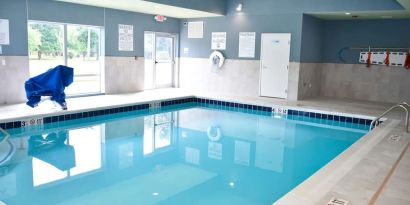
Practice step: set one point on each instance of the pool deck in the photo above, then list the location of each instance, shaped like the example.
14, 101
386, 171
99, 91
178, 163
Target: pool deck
374, 170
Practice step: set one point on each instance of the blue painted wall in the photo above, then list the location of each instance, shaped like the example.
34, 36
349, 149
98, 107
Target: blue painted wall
213, 6
312, 40
141, 23
15, 11
48, 10
281, 23
308, 33
362, 33
264, 16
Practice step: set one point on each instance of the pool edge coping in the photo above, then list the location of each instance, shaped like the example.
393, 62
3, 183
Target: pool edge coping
308, 194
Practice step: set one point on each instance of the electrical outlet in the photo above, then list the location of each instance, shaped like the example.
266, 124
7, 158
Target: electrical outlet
3, 62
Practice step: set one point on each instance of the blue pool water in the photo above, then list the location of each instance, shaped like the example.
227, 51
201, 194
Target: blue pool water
181, 155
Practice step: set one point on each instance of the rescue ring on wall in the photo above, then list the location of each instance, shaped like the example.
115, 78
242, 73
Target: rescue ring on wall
216, 59
214, 133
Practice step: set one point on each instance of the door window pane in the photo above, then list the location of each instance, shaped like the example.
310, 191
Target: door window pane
164, 61
164, 49
46, 46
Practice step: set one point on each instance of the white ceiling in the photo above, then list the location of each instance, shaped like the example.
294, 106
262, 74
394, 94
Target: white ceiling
385, 14
145, 7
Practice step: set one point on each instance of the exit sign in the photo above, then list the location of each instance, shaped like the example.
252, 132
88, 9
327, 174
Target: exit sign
160, 18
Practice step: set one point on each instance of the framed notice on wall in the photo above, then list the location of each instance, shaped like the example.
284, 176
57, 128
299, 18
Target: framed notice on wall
196, 29
218, 40
247, 44
125, 37
4, 32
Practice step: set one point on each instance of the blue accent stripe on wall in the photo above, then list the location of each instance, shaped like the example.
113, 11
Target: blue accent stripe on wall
52, 11
280, 23
46, 10
15, 11
312, 40
141, 23
362, 33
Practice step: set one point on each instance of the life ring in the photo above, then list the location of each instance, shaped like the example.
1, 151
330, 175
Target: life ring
216, 59
214, 136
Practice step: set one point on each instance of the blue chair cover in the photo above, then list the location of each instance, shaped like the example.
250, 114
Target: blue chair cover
51, 83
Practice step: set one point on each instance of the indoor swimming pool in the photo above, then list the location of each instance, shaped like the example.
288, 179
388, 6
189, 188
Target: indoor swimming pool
180, 154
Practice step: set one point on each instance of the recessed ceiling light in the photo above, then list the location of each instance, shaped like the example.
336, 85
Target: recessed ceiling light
347, 13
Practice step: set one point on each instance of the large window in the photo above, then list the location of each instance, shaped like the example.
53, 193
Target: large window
77, 46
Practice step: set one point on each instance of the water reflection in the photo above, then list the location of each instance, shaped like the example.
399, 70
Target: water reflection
170, 158
60, 155
158, 131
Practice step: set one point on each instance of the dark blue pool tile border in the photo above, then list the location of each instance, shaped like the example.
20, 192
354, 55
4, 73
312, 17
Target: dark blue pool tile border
331, 117
95, 113
233, 104
199, 101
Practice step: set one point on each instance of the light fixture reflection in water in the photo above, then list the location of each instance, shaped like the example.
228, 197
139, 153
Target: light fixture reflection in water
239, 7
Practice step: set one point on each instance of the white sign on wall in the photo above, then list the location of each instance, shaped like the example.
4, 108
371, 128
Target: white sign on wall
4, 32
196, 29
125, 37
247, 44
218, 40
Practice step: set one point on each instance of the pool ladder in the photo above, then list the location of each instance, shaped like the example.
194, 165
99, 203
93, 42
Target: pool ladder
6, 135
6, 139
405, 106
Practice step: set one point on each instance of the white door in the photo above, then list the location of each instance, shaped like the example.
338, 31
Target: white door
274, 68
159, 52
164, 60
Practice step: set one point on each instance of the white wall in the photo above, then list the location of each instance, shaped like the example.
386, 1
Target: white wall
124, 75
235, 78
12, 78
356, 81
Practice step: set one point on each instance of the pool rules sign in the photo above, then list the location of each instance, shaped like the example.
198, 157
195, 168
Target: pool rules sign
218, 40
4, 32
125, 37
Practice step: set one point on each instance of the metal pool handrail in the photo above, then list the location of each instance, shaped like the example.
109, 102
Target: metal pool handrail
6, 135
6, 139
403, 105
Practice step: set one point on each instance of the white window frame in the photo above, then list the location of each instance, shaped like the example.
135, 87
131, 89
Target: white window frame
65, 51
